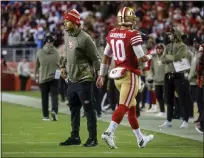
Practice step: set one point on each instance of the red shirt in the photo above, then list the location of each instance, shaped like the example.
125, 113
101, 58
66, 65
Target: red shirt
121, 43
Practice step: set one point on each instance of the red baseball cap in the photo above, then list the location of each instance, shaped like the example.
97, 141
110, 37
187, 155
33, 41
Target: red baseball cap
73, 16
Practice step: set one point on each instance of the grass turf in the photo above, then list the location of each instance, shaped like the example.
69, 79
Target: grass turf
24, 134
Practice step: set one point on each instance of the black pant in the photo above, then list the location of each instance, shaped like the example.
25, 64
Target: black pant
62, 88
178, 109
79, 94
97, 98
144, 93
200, 102
52, 88
176, 82
193, 92
159, 89
24, 80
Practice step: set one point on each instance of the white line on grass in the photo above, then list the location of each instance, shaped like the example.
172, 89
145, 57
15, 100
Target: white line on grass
56, 143
113, 152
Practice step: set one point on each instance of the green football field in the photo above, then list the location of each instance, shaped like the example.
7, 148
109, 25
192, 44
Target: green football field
24, 134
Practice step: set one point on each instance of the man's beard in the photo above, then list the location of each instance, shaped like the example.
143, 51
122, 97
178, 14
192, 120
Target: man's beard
69, 30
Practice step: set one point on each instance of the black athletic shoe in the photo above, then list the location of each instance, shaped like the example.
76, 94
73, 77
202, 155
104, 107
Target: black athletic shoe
91, 142
54, 116
71, 141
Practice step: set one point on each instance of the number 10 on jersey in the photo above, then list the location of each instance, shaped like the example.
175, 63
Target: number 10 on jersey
118, 48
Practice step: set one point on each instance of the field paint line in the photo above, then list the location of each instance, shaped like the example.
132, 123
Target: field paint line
30, 143
72, 152
118, 142
18, 143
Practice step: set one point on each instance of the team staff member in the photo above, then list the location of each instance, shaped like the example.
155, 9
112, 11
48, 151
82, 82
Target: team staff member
157, 75
200, 90
175, 81
47, 57
81, 61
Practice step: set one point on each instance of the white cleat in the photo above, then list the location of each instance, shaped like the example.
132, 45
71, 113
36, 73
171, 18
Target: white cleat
145, 140
166, 124
184, 124
153, 109
108, 138
160, 114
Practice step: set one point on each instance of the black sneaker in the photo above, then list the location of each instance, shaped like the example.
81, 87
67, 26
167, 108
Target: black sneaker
91, 142
54, 116
71, 141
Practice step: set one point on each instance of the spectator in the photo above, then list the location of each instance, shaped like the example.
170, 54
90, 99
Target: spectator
23, 70
46, 63
14, 37
157, 76
40, 35
200, 83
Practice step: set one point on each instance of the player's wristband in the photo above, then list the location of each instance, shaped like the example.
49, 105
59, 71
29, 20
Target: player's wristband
149, 56
103, 69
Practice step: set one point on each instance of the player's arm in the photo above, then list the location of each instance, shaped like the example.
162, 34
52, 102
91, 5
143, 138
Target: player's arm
140, 54
106, 60
136, 42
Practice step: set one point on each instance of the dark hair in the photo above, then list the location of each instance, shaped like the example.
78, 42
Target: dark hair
49, 39
197, 40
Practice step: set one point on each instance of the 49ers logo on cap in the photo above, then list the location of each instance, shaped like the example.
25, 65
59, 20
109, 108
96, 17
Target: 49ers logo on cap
71, 44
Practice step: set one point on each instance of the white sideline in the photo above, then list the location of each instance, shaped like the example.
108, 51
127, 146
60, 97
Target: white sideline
115, 152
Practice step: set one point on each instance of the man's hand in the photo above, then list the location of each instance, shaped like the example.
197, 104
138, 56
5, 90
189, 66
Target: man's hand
36, 78
63, 73
100, 81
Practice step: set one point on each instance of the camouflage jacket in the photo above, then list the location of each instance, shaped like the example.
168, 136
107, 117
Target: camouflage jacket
82, 59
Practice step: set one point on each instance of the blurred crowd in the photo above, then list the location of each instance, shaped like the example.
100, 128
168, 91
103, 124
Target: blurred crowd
27, 23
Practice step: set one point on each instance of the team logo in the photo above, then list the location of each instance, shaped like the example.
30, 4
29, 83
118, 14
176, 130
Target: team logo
71, 44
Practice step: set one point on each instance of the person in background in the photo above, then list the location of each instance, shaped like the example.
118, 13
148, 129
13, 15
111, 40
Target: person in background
150, 93
200, 91
14, 37
175, 81
4, 65
23, 70
157, 77
46, 64
193, 73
